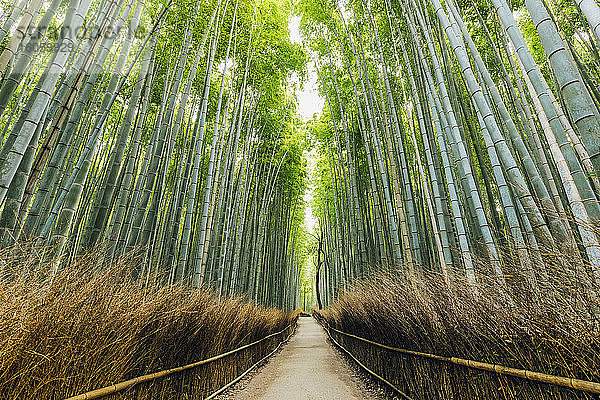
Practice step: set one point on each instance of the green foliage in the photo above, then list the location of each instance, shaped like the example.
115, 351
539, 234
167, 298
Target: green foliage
533, 39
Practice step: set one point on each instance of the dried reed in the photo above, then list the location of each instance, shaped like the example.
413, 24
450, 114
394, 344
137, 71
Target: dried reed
556, 333
92, 326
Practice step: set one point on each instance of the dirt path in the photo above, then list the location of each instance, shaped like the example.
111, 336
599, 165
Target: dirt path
307, 368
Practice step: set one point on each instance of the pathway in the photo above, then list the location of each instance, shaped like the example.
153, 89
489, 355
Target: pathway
307, 368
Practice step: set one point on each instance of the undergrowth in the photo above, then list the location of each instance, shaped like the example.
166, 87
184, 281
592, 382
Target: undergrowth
556, 334
92, 325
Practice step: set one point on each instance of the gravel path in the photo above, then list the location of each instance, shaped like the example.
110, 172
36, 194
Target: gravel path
307, 368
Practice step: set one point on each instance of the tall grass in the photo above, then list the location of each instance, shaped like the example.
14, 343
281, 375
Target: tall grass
92, 326
556, 334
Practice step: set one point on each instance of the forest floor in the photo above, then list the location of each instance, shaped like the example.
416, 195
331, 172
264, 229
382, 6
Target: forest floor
307, 368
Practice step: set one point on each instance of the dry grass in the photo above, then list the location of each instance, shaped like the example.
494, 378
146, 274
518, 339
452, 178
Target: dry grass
92, 326
557, 335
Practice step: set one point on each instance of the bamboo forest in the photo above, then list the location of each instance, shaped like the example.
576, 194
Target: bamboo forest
299, 199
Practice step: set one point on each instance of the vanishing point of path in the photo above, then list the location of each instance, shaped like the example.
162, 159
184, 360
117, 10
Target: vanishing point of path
307, 368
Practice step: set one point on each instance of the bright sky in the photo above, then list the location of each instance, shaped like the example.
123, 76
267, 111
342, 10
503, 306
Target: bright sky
309, 100
309, 219
309, 103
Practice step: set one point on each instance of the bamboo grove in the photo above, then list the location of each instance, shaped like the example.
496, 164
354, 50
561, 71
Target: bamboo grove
460, 139
165, 129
